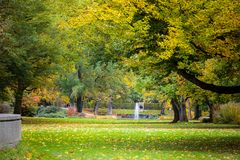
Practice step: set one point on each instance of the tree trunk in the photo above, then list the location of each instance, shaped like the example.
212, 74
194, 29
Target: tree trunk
79, 104
210, 110
197, 112
183, 113
210, 113
98, 102
162, 108
175, 110
71, 101
110, 105
189, 110
18, 100
80, 97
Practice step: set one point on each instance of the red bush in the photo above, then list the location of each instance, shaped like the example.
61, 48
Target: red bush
71, 111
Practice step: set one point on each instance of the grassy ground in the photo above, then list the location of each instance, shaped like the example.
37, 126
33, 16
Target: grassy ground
75, 138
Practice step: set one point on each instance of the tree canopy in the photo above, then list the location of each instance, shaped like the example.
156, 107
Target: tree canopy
90, 48
178, 36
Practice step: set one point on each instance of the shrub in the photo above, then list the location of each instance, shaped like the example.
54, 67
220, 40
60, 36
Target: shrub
40, 109
227, 113
4, 108
71, 111
29, 111
205, 119
53, 115
51, 112
50, 109
29, 106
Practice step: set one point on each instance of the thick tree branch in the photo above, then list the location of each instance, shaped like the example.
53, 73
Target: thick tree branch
207, 86
197, 47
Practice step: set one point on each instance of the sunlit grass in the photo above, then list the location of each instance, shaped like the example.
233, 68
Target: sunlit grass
75, 138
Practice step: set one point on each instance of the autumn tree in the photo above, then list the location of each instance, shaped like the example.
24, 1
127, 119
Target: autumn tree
183, 35
176, 36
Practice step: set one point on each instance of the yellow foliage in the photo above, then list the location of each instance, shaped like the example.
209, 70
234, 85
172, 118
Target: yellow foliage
65, 99
129, 80
28, 155
149, 93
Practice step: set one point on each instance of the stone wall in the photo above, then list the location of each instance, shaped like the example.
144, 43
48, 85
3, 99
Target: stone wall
10, 130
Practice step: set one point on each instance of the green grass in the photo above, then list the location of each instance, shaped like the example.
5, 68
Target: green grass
79, 138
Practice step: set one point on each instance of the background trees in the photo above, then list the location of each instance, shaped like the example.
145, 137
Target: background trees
178, 36
90, 48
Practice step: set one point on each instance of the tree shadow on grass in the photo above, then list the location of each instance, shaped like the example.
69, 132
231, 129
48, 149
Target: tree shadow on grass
223, 145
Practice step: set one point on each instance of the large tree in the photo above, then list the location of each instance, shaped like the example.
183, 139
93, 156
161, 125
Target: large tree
182, 35
27, 50
176, 36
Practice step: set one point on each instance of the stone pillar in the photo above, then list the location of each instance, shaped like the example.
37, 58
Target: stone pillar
10, 130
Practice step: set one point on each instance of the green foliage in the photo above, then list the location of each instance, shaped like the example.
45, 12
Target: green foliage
28, 50
51, 112
30, 54
29, 111
153, 38
227, 113
135, 96
66, 83
53, 115
169, 35
50, 109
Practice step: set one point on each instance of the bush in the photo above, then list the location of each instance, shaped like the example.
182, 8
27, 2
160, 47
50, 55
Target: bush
29, 106
51, 112
71, 111
227, 113
40, 109
50, 109
4, 108
53, 115
29, 111
205, 119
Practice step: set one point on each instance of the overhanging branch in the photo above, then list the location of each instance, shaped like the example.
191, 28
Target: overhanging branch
207, 86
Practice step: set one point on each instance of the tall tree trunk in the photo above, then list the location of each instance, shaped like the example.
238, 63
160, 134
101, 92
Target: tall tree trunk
197, 112
79, 98
175, 110
189, 109
110, 105
162, 112
71, 101
79, 104
98, 102
210, 110
18, 99
183, 113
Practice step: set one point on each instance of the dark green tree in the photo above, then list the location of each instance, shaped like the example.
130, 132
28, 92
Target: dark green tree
27, 51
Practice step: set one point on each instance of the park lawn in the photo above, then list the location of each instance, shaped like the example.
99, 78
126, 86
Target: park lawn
79, 138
